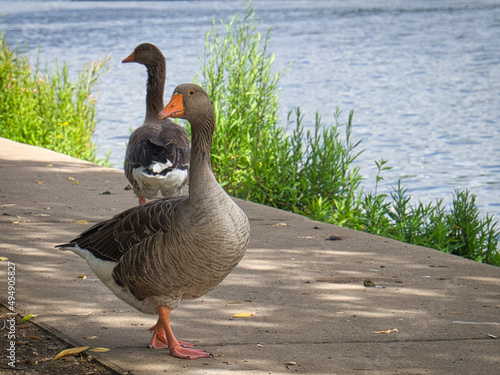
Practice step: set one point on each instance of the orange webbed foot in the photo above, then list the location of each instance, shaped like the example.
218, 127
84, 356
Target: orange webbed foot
159, 339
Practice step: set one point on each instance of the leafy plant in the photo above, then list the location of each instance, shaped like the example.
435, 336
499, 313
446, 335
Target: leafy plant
48, 109
311, 172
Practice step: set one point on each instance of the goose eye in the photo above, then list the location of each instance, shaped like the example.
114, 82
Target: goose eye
191, 92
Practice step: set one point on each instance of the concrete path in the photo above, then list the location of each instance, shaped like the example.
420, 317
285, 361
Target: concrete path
312, 312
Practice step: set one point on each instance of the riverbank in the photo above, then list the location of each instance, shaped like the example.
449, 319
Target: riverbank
306, 283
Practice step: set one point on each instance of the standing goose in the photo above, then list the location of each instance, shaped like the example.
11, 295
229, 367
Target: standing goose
157, 157
153, 255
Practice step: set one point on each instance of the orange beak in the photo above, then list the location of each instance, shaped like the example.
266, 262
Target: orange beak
131, 58
174, 108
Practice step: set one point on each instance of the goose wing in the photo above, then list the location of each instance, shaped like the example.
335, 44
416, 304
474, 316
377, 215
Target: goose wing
111, 239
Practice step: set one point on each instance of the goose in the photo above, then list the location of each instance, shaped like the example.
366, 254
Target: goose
157, 156
154, 255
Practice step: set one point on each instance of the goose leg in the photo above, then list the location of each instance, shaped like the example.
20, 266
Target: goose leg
159, 339
175, 346
142, 200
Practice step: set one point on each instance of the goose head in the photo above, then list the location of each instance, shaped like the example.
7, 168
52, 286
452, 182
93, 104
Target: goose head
189, 102
145, 53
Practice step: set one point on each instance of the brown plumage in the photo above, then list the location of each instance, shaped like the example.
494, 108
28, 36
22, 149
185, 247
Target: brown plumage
157, 156
156, 254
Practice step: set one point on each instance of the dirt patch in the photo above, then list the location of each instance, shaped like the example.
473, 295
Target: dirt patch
35, 349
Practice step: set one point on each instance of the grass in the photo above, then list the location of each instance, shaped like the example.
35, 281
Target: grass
312, 172
47, 109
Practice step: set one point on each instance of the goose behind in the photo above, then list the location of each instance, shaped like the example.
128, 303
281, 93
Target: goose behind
153, 255
157, 156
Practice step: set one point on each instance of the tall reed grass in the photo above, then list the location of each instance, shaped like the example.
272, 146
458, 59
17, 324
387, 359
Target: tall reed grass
47, 109
312, 172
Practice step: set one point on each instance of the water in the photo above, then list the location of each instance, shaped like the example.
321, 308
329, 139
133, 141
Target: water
423, 77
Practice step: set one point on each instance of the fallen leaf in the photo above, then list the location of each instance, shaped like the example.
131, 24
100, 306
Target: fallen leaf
39, 182
82, 277
82, 222
280, 225
368, 283
390, 330
244, 315
70, 351
99, 350
71, 178
49, 165
3, 259
306, 237
28, 317
15, 222
90, 337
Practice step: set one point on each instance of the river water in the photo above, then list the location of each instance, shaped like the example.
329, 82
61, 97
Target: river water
423, 77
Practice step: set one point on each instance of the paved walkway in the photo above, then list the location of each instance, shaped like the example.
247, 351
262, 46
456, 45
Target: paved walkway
312, 312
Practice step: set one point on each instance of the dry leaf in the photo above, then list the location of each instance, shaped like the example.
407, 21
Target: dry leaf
15, 222
280, 225
49, 165
82, 222
244, 315
99, 350
91, 337
390, 330
3, 259
82, 277
71, 178
306, 237
70, 351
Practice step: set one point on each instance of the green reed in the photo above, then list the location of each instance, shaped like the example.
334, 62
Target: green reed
311, 172
46, 108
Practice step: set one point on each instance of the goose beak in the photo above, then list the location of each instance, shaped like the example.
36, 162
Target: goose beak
129, 59
174, 108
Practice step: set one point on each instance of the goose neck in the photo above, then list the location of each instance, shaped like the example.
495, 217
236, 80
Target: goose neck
154, 89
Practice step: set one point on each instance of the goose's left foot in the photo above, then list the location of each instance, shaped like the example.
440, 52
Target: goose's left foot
159, 339
164, 337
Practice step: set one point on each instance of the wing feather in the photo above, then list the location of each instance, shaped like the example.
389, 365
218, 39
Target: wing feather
111, 239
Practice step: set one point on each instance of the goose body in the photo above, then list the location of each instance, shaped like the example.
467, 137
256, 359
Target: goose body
157, 156
154, 255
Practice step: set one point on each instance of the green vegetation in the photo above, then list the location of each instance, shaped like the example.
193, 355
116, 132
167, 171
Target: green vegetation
312, 172
48, 110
